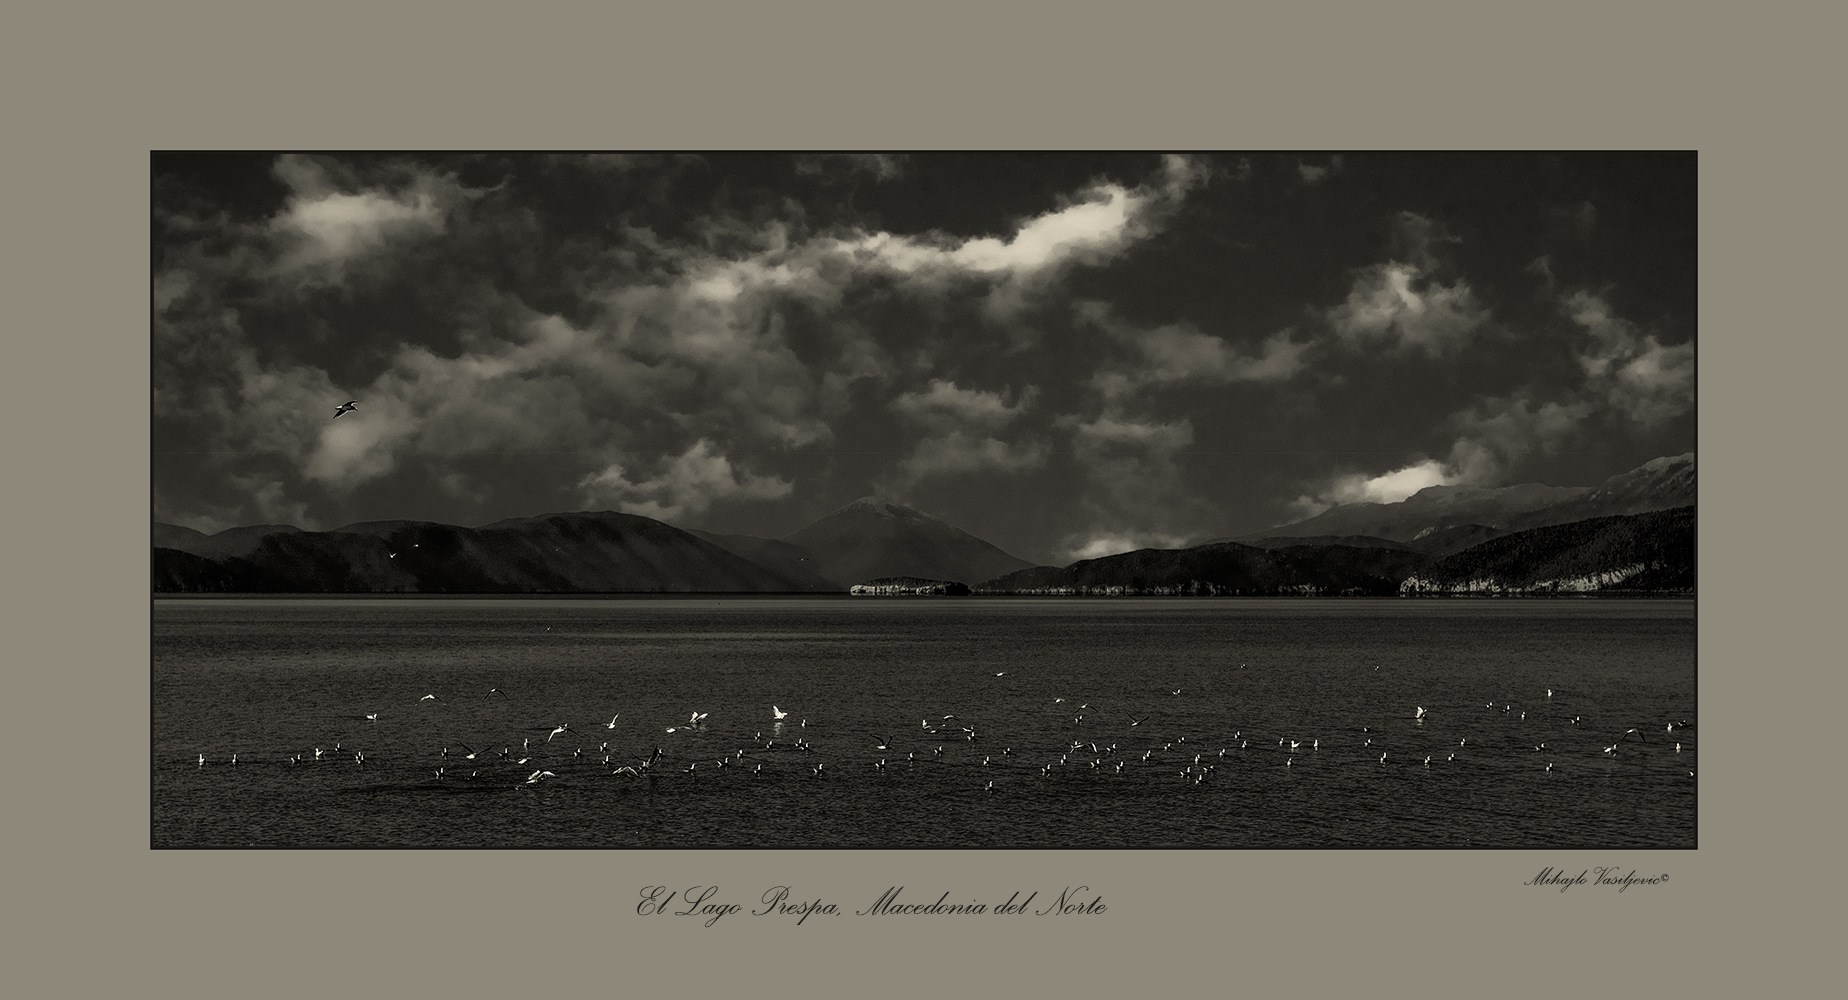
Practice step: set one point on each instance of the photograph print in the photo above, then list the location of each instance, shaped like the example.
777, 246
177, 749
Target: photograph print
923, 500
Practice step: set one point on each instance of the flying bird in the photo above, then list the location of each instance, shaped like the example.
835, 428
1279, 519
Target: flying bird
779, 713
351, 404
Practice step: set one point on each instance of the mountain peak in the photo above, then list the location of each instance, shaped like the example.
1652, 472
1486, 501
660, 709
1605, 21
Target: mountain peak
883, 508
872, 537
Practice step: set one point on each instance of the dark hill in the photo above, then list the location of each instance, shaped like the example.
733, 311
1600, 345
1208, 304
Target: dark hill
1227, 568
1440, 542
1352, 541
792, 562
1635, 552
592, 552
229, 542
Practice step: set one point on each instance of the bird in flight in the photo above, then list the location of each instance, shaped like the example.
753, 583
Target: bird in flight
351, 404
779, 713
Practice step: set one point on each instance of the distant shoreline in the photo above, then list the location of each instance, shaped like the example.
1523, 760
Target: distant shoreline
659, 595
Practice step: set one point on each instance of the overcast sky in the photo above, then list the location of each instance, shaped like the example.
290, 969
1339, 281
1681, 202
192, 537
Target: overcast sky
1067, 355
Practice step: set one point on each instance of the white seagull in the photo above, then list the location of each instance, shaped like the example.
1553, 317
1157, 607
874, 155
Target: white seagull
612, 723
351, 404
779, 713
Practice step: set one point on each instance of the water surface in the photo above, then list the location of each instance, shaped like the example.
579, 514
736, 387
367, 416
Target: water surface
1050, 688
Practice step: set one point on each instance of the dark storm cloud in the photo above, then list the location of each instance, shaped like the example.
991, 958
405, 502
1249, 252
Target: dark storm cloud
1129, 350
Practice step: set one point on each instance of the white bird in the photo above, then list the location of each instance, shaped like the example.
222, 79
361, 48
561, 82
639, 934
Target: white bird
1420, 714
429, 697
779, 713
612, 723
562, 728
351, 404
538, 776
202, 758
696, 717
374, 717
887, 745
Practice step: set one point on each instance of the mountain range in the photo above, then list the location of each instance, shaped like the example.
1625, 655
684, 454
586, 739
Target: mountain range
1475, 514
1634, 532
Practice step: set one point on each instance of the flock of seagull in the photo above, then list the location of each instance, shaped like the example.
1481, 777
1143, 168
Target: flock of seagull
1093, 740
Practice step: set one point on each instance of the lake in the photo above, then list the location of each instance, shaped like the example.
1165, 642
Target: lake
924, 722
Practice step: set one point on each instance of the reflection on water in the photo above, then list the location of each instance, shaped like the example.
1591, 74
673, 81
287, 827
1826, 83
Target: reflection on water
1126, 723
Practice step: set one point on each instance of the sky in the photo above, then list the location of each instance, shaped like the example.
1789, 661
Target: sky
1068, 355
